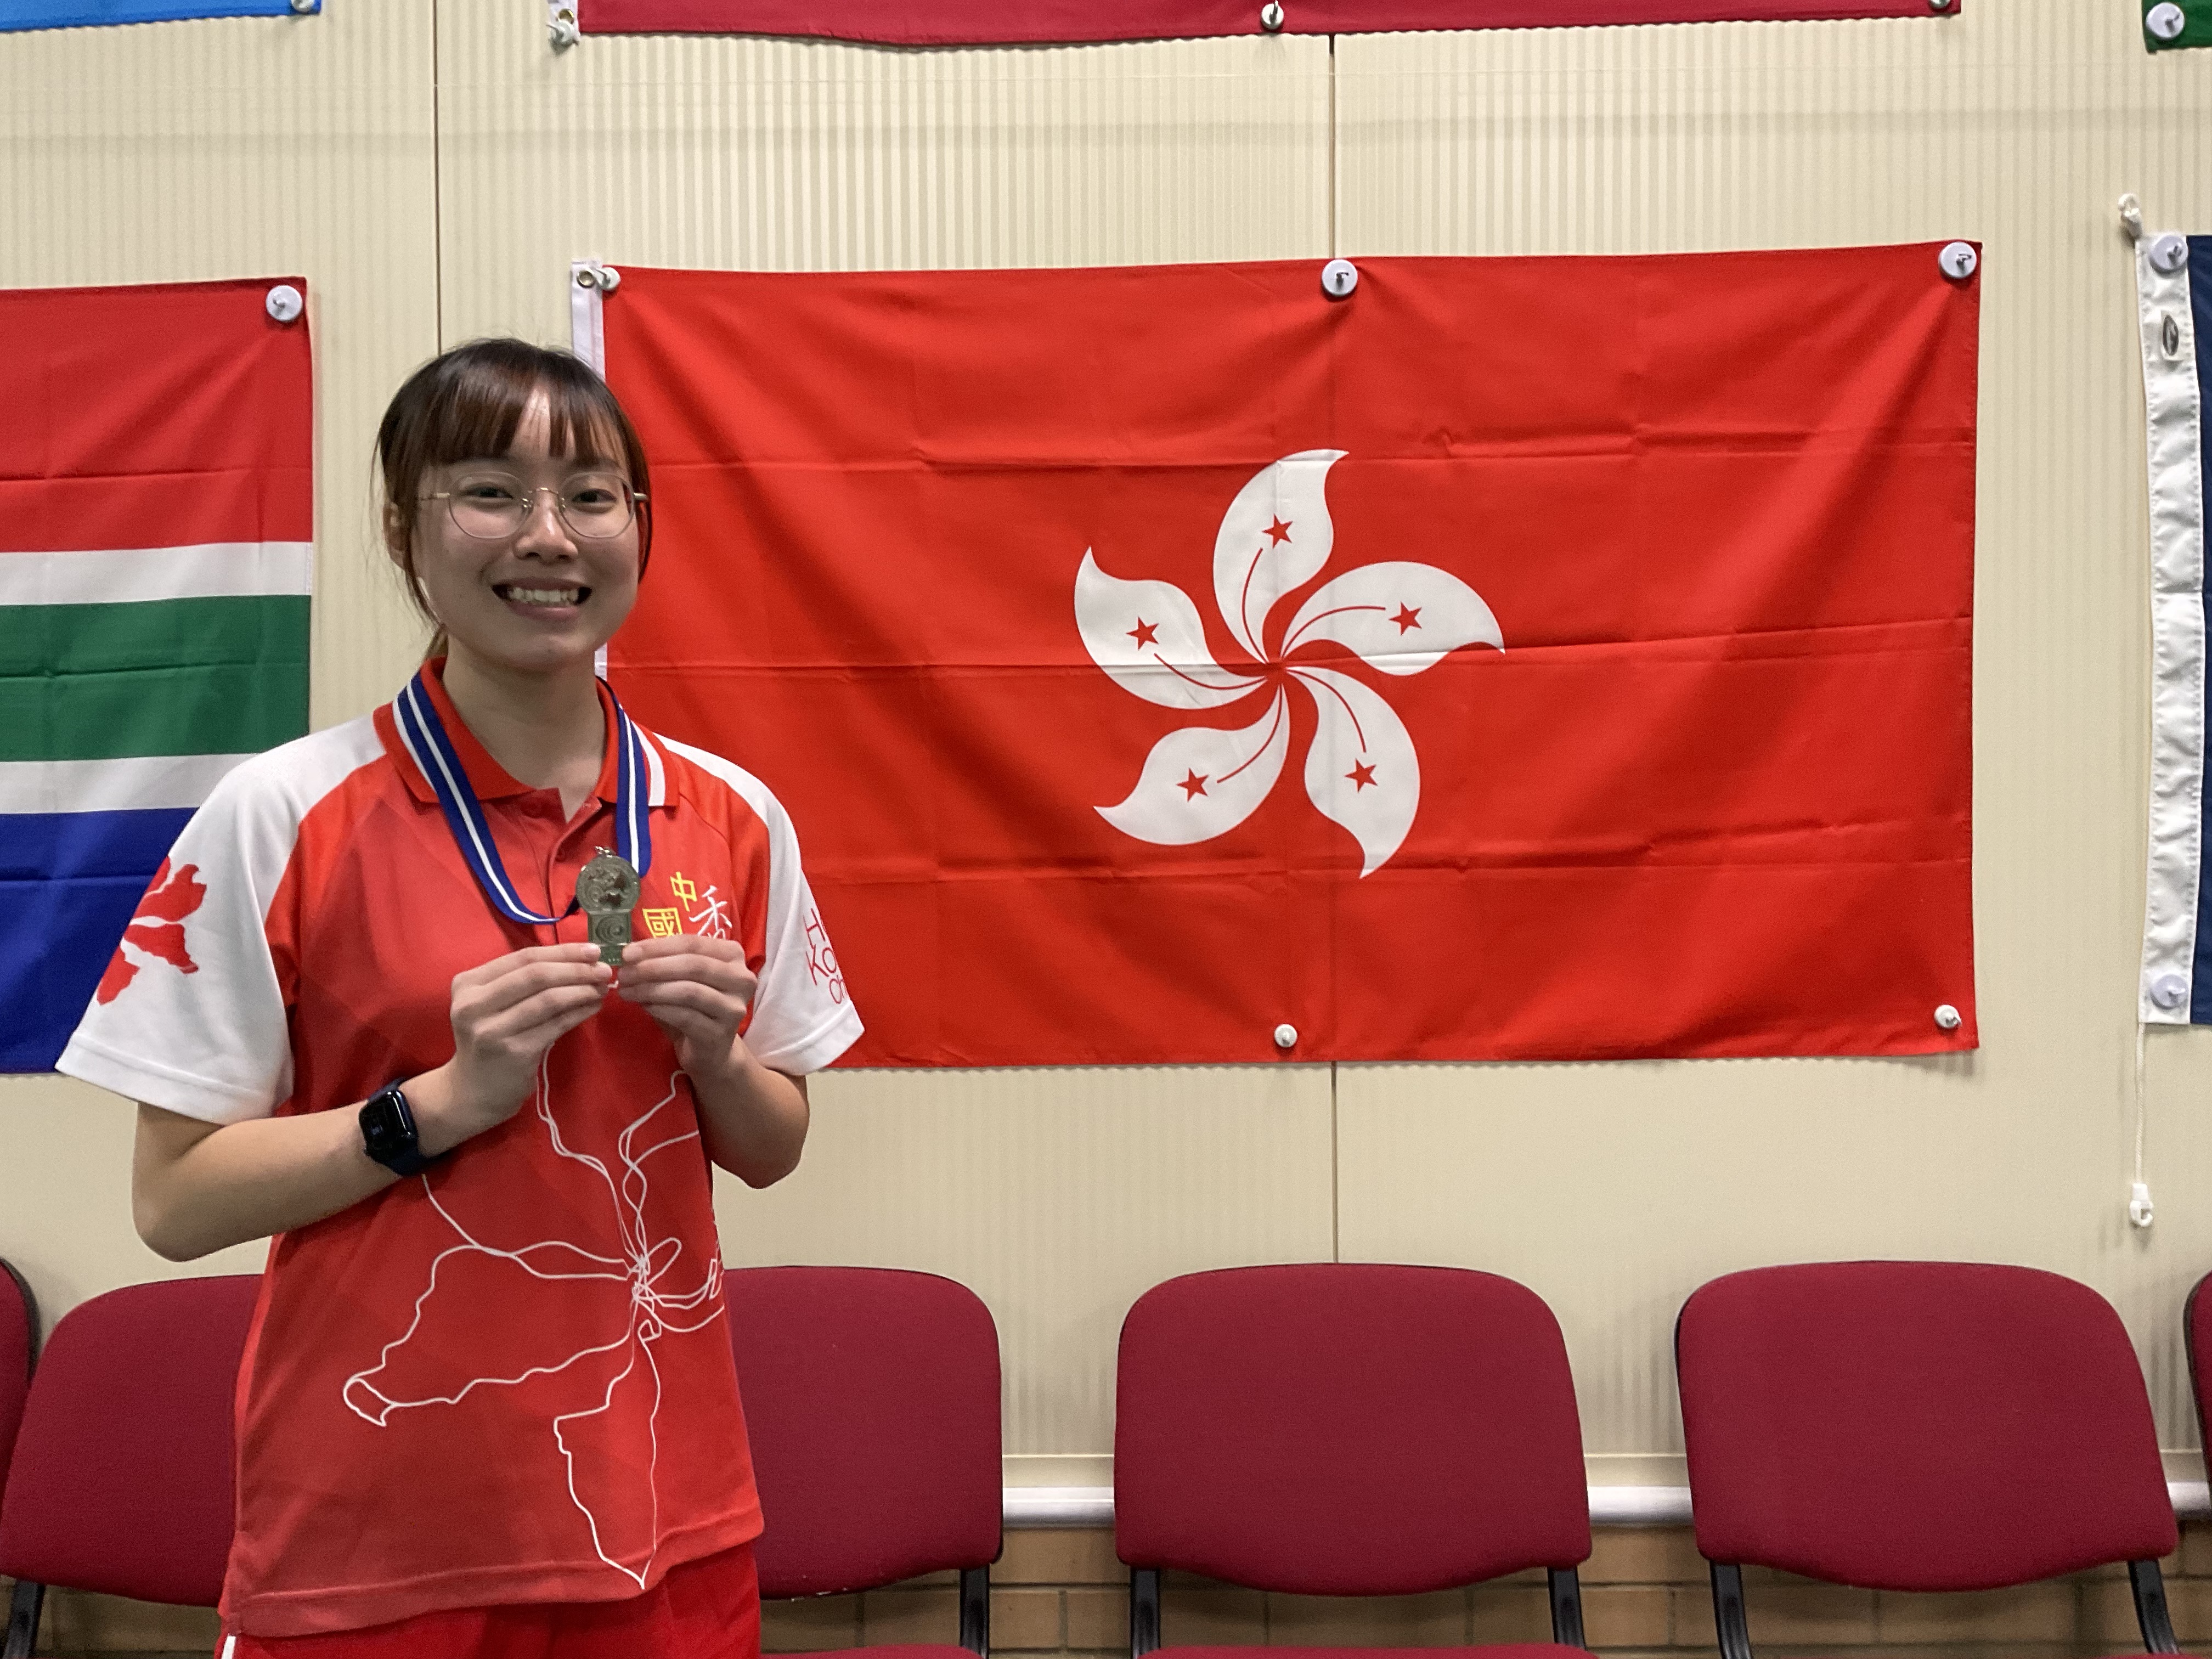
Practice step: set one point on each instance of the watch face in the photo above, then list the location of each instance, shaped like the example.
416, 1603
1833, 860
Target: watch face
382, 1127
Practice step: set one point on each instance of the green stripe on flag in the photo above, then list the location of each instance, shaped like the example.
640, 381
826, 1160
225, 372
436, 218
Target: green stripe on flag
2196, 26
170, 677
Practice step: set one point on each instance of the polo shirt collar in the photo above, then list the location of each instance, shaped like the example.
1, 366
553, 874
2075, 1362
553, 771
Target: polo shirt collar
492, 782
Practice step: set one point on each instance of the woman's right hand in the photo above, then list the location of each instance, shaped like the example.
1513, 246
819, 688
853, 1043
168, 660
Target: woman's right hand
198, 1186
506, 1014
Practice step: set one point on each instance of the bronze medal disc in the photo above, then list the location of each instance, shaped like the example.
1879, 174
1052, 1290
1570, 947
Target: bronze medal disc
607, 888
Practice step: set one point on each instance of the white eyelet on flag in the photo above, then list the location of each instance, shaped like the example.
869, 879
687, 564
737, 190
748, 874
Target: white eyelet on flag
587, 329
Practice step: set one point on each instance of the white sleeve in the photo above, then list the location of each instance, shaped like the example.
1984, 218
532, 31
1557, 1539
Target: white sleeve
802, 1017
190, 1017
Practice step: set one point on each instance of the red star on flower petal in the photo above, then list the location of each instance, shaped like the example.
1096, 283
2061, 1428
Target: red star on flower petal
1192, 784
1144, 633
1408, 616
1361, 776
1279, 532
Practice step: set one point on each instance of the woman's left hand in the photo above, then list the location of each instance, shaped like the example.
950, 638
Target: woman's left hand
752, 1120
697, 990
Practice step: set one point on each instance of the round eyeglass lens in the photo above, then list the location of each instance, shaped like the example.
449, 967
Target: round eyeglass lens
597, 505
491, 507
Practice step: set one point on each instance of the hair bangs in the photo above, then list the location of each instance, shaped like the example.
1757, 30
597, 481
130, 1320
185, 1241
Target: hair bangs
488, 391
584, 424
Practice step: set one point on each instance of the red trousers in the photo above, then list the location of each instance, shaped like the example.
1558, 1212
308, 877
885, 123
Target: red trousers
704, 1609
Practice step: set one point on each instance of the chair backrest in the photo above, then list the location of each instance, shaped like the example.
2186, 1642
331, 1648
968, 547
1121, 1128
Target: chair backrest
19, 1354
2197, 1340
1919, 1425
122, 1479
1341, 1428
872, 1399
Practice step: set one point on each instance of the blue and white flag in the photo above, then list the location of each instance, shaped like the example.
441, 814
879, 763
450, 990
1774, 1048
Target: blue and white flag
84, 13
2173, 278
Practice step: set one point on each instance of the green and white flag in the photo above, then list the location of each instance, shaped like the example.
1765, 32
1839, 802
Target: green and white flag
156, 556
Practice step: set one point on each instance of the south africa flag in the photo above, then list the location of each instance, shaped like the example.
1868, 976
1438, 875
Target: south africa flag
156, 527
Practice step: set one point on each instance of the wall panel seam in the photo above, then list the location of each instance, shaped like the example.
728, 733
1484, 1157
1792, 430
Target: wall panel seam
1335, 176
437, 173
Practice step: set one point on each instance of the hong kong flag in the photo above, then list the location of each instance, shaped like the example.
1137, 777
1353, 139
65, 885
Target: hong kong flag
1534, 658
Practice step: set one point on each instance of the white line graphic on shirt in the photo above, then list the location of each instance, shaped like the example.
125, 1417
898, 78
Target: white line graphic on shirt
653, 1312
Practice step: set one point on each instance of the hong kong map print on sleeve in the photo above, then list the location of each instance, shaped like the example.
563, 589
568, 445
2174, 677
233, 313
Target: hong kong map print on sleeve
1516, 659
157, 529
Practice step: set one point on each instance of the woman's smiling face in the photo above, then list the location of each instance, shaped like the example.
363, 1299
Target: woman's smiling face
540, 597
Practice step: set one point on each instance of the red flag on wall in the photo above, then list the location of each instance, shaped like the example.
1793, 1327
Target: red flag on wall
1537, 658
972, 22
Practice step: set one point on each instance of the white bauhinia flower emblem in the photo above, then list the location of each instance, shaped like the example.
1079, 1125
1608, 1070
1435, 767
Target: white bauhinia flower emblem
1361, 769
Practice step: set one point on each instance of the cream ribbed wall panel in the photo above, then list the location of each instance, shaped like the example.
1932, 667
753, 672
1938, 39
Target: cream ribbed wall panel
1614, 1190
798, 156
1058, 1195
172, 152
432, 175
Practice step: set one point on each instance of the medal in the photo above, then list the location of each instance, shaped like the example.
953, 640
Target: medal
612, 891
607, 888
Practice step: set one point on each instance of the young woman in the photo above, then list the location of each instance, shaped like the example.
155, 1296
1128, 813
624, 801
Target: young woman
488, 1406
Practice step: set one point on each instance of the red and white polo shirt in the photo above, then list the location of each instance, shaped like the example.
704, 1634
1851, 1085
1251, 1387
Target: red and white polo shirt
508, 1379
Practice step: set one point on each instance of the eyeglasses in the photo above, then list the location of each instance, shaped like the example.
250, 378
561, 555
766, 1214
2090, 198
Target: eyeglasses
492, 506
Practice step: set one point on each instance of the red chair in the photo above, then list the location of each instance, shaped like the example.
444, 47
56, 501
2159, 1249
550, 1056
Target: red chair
121, 1480
1340, 1429
18, 1357
2197, 1338
871, 1397
1918, 1426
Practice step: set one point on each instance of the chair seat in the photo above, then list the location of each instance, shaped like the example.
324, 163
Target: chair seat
1492, 1650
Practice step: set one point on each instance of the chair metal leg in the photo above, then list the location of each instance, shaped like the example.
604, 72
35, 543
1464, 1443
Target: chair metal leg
1143, 1611
23, 1619
1566, 1607
1728, 1611
2150, 1587
975, 1610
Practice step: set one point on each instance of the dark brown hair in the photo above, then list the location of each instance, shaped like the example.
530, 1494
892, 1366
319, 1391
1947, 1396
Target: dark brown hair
469, 402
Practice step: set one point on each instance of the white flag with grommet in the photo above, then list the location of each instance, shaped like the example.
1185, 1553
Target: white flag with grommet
2173, 291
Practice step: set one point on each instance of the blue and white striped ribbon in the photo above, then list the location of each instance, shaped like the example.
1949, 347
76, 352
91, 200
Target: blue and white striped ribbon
424, 734
2174, 289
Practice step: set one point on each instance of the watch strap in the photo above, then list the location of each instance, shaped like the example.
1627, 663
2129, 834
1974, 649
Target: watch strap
388, 1133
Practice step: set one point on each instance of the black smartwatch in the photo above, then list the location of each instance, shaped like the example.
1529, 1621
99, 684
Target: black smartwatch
387, 1132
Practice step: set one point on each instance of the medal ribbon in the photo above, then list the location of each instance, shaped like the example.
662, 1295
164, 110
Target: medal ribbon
433, 750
